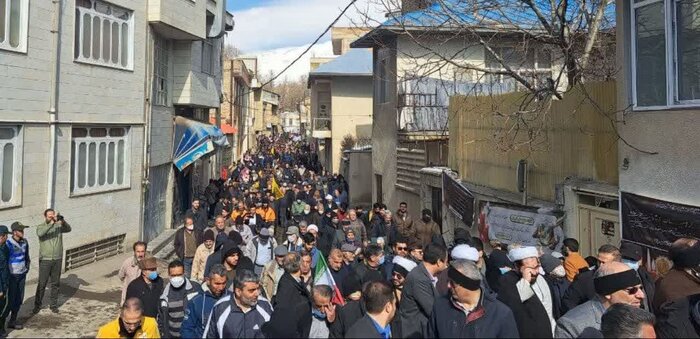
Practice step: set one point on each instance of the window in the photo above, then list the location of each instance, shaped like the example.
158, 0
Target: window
103, 34
13, 25
665, 58
10, 166
100, 159
207, 57
160, 72
533, 64
383, 81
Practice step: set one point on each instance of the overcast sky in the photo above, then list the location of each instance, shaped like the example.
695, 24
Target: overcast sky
263, 25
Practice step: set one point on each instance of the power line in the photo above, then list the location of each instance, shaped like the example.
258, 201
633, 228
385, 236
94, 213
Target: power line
312, 44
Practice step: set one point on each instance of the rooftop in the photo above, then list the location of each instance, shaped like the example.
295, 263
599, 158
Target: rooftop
356, 62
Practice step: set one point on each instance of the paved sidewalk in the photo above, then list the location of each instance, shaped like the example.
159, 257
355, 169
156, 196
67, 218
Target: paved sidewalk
89, 298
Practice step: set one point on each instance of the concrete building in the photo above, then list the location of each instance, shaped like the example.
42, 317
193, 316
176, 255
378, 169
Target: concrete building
237, 106
341, 101
290, 122
412, 85
658, 104
78, 92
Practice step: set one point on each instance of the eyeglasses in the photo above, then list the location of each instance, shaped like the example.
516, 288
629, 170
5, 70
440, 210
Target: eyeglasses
401, 248
632, 290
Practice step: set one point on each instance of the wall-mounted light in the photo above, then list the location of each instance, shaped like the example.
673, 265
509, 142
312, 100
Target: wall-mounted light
625, 164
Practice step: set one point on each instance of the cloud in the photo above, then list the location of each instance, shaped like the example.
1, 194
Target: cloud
284, 23
276, 60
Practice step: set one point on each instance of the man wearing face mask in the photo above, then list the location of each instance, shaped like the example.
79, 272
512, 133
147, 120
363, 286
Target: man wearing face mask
173, 301
132, 323
555, 275
260, 250
322, 311
293, 242
199, 308
527, 294
372, 266
187, 239
419, 291
148, 288
631, 255
426, 229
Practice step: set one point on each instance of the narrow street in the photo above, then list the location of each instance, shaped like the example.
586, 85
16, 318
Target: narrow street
89, 298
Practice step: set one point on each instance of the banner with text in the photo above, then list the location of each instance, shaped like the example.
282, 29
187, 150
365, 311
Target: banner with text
657, 223
513, 226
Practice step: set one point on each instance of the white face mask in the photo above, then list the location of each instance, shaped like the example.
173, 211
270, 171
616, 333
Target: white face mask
177, 282
559, 272
541, 271
291, 238
189, 227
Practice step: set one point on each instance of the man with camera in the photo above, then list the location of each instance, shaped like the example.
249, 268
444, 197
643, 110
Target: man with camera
50, 234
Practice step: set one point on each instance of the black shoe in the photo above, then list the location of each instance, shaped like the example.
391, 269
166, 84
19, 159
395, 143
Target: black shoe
15, 326
54, 309
36, 310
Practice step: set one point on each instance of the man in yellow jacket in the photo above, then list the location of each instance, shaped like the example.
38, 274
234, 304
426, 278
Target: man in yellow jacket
131, 323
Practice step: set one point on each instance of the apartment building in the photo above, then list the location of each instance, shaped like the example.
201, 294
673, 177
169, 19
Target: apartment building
88, 91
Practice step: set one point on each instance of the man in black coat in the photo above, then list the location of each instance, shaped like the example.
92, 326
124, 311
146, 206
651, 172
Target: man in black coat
488, 318
528, 295
148, 287
679, 318
199, 215
497, 260
379, 302
292, 297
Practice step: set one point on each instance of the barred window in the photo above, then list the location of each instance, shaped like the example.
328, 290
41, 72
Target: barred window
13, 25
160, 69
103, 34
10, 166
100, 159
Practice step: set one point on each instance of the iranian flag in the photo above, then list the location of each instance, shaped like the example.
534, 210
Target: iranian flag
323, 276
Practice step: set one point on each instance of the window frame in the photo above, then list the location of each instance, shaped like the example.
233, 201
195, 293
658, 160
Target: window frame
23, 27
671, 57
78, 57
75, 190
207, 43
17, 166
161, 48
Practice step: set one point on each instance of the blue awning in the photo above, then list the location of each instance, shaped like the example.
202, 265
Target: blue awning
194, 140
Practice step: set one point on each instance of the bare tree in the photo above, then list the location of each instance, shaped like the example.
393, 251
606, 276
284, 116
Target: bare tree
542, 48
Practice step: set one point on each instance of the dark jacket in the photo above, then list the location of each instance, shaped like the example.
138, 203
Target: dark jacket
676, 284
292, 294
4, 268
324, 241
173, 303
491, 319
179, 241
417, 302
149, 294
679, 318
237, 324
199, 217
363, 328
346, 316
364, 273
580, 291
531, 316
197, 313
497, 259
558, 286
649, 288
388, 233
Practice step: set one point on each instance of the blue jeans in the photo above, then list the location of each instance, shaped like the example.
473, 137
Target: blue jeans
188, 266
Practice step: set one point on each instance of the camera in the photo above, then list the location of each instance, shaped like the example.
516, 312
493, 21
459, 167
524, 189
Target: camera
59, 217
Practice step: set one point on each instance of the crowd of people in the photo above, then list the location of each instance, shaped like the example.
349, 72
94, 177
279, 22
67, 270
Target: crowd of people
276, 251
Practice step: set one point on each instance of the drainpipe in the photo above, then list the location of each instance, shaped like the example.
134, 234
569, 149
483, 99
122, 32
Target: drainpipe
147, 106
53, 110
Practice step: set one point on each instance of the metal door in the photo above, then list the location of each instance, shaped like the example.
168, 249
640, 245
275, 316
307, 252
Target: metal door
156, 205
598, 226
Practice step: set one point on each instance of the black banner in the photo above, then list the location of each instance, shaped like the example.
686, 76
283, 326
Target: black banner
657, 223
458, 199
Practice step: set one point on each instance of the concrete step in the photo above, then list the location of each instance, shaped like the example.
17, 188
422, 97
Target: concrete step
162, 246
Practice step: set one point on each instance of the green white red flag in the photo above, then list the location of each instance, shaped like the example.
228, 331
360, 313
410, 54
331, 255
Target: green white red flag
323, 276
